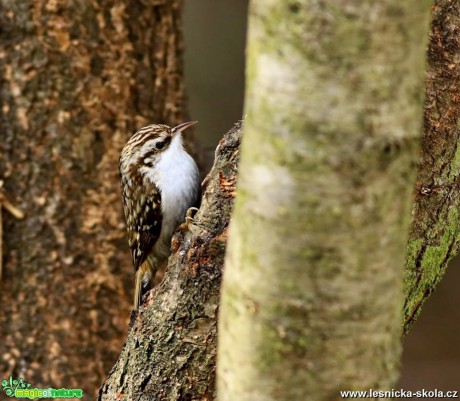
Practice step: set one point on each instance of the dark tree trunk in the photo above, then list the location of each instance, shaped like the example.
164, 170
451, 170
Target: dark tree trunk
75, 79
170, 353
435, 230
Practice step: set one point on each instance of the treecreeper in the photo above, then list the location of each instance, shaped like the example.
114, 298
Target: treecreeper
160, 182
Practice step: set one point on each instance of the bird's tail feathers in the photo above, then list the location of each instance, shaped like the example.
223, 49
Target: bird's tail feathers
144, 277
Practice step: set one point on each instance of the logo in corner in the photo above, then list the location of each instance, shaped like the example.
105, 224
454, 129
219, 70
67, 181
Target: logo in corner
19, 388
10, 387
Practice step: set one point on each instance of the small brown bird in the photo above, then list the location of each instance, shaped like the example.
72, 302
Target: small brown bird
160, 182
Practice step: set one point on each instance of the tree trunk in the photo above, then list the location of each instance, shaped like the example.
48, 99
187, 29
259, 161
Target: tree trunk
435, 229
76, 79
312, 293
171, 348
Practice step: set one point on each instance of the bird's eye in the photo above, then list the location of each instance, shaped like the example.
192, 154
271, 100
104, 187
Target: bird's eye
160, 145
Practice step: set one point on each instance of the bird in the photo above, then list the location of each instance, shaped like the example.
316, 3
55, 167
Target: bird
160, 182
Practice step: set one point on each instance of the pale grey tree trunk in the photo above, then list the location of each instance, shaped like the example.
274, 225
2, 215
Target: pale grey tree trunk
312, 293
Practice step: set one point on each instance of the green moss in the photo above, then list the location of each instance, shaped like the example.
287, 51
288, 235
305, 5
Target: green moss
413, 249
455, 165
419, 279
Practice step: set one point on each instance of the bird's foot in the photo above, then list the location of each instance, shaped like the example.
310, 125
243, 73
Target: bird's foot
189, 219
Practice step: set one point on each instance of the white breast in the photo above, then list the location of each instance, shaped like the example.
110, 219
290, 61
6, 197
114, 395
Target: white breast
177, 177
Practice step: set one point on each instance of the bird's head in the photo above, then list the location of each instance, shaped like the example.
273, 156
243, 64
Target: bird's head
147, 145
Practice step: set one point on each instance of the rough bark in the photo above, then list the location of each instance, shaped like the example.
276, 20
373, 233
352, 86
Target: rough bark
171, 348
75, 79
435, 229
312, 293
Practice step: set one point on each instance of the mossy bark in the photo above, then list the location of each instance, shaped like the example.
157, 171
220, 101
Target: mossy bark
312, 292
75, 79
170, 353
435, 229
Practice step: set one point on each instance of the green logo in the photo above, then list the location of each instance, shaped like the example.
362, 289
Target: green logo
9, 387
21, 389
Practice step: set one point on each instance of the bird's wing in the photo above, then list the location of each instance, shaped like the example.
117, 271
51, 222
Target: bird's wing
145, 230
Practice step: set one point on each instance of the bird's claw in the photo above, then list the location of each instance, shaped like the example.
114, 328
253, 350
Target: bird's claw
189, 219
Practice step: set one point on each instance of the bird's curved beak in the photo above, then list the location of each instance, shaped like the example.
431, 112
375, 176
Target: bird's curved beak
182, 127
